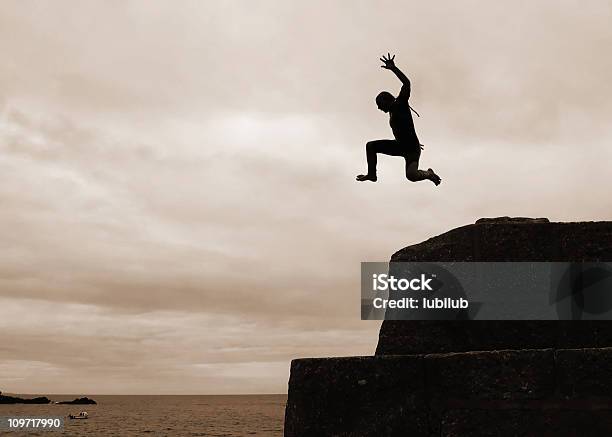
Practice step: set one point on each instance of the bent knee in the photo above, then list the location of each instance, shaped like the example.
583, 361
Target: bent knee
413, 175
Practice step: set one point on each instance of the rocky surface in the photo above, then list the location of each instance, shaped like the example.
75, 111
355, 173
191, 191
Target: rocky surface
520, 392
431, 336
17, 400
503, 239
359, 395
44, 400
458, 378
516, 239
79, 401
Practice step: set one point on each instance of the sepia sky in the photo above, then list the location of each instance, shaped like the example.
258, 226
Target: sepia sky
179, 213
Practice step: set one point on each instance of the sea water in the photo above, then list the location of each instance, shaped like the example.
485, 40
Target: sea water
221, 416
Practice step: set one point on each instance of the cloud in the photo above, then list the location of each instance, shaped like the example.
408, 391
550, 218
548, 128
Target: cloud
179, 204
81, 343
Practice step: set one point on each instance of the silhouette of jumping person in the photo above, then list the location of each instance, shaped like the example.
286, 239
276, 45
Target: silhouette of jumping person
406, 142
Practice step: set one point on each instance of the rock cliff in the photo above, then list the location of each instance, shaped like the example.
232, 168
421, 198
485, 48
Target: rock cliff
456, 378
17, 400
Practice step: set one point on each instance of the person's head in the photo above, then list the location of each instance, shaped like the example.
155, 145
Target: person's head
384, 100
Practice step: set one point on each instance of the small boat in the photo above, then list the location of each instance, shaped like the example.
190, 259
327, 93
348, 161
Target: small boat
81, 415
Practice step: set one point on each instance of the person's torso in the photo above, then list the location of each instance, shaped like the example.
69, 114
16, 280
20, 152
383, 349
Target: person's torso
401, 122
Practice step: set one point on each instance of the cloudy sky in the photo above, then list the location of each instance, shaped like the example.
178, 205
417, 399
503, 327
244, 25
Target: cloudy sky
178, 206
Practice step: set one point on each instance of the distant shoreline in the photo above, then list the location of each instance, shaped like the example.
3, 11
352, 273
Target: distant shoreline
43, 400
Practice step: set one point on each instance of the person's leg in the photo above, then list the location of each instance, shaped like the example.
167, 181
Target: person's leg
387, 147
413, 173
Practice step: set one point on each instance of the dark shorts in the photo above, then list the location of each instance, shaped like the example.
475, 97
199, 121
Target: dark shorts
408, 150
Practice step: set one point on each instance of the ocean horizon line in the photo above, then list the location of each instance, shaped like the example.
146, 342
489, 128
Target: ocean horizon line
140, 394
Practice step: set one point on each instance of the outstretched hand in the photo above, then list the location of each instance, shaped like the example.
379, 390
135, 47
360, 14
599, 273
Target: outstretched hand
388, 62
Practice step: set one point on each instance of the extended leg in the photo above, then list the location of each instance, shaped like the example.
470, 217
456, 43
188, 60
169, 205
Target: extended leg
387, 147
413, 173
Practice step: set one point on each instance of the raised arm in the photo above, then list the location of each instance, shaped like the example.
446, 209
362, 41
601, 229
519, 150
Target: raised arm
389, 64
